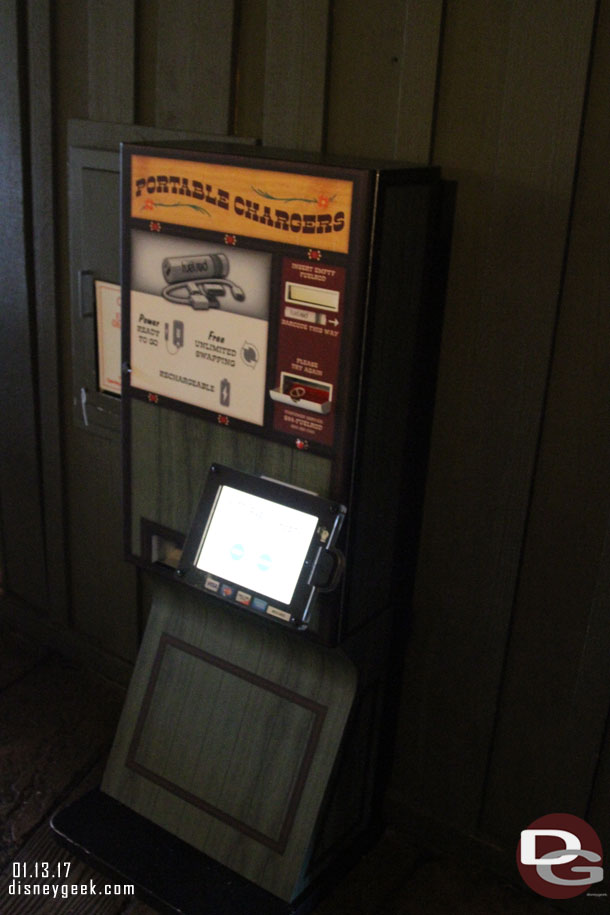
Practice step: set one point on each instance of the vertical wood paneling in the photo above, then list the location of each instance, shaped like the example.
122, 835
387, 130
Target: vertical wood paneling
508, 124
194, 65
506, 118
43, 229
20, 493
556, 691
384, 58
295, 73
111, 37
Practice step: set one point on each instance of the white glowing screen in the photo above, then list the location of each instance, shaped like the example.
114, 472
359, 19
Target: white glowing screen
256, 543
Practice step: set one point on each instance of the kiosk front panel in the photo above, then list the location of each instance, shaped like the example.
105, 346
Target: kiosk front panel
280, 319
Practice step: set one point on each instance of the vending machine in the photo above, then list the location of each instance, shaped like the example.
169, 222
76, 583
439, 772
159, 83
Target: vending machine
281, 323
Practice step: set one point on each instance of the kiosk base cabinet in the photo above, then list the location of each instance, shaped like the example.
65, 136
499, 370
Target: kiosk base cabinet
281, 317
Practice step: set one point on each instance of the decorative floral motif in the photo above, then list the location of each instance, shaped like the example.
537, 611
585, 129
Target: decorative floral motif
150, 204
314, 254
230, 239
153, 398
155, 227
322, 200
302, 444
223, 420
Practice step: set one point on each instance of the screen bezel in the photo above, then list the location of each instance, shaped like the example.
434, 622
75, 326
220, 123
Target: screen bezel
329, 516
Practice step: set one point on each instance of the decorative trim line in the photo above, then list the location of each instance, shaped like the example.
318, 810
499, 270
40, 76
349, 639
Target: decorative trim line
279, 843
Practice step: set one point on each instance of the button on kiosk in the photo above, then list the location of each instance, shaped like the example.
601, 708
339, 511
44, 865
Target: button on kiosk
281, 320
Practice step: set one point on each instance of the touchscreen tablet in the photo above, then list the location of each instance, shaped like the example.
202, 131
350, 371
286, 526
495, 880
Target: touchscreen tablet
260, 544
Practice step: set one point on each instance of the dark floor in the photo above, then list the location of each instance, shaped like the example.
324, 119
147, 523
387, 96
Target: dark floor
56, 725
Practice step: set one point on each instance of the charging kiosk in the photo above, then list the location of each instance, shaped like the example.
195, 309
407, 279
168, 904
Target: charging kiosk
281, 321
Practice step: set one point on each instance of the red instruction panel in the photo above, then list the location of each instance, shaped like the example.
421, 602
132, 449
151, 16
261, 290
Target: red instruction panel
308, 348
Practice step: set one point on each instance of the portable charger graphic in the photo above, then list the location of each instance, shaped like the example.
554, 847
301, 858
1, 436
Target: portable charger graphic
199, 281
177, 340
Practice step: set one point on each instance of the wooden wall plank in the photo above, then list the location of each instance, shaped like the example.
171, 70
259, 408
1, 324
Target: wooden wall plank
510, 105
194, 82
104, 592
418, 80
556, 691
598, 810
250, 68
43, 228
295, 73
111, 42
146, 62
20, 495
382, 87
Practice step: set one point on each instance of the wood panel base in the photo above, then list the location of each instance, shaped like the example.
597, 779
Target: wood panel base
229, 735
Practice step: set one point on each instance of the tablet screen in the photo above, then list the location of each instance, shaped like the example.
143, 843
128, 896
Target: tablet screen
262, 545
256, 543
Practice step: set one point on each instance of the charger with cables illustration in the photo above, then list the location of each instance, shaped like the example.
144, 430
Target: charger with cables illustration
199, 281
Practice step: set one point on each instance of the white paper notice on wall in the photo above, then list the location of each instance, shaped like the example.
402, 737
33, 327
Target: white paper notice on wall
108, 313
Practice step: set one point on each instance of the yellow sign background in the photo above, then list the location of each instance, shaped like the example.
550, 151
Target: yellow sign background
305, 210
